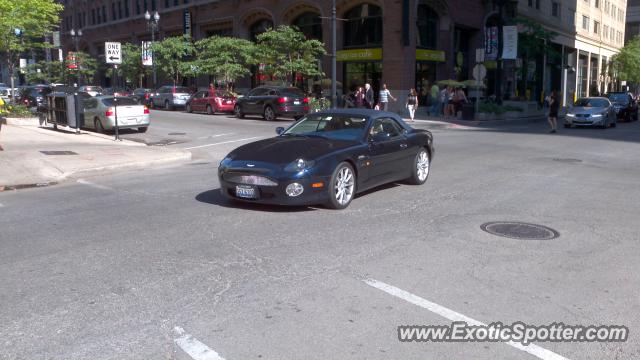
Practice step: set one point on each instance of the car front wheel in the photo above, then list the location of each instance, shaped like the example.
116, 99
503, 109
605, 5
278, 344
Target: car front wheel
189, 110
97, 124
342, 187
239, 112
210, 110
421, 166
269, 114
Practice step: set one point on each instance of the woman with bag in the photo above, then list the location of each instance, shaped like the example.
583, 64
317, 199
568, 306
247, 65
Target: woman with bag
412, 103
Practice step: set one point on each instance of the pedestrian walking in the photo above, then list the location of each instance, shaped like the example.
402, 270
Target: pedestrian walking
442, 98
385, 94
450, 108
554, 106
368, 96
412, 103
459, 99
359, 95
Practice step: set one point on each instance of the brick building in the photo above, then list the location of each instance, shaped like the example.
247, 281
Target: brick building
403, 43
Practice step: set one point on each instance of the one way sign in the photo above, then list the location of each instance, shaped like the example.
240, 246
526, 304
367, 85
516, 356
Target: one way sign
112, 53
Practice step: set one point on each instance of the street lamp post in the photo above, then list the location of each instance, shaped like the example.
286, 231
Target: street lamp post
75, 36
334, 89
152, 23
18, 33
501, 7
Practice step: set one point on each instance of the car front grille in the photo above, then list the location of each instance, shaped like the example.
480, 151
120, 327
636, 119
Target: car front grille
247, 179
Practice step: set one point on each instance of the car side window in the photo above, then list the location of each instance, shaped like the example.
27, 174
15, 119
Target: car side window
201, 95
386, 126
257, 92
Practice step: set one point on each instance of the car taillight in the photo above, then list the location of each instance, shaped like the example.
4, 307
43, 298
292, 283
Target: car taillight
282, 100
146, 110
305, 100
110, 112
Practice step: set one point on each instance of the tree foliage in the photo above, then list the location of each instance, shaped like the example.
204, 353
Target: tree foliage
131, 68
46, 72
87, 67
535, 40
36, 18
170, 55
225, 58
626, 63
285, 51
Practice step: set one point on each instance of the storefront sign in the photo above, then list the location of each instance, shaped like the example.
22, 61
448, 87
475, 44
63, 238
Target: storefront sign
491, 43
430, 55
147, 54
186, 22
510, 42
359, 54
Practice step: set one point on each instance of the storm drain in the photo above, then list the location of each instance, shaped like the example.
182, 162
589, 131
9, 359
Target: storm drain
520, 230
567, 160
58, 152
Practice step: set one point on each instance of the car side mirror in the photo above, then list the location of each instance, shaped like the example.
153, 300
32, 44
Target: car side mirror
279, 130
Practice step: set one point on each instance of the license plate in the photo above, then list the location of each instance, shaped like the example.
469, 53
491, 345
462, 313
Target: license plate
132, 120
296, 102
247, 192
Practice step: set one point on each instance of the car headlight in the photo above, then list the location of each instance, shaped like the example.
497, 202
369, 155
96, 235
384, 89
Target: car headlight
597, 116
299, 165
571, 115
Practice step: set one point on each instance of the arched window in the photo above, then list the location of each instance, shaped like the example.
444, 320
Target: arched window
427, 27
310, 24
259, 27
363, 26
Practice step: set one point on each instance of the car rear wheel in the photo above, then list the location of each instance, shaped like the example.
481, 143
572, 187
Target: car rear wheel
421, 166
342, 187
269, 114
97, 124
189, 109
210, 110
239, 112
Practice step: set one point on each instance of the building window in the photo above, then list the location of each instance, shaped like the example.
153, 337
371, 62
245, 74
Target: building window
153, 5
427, 27
167, 3
572, 18
104, 13
363, 26
613, 34
126, 8
113, 11
259, 27
93, 16
538, 4
596, 3
555, 9
596, 27
585, 22
310, 24
605, 31
614, 10
138, 7
119, 10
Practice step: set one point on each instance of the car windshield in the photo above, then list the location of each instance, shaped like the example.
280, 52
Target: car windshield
122, 101
340, 127
292, 92
591, 102
40, 91
618, 97
181, 89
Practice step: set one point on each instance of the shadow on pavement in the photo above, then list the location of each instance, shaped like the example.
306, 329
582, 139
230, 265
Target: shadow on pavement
214, 197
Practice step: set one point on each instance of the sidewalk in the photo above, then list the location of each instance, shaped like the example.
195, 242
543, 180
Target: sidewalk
453, 123
36, 156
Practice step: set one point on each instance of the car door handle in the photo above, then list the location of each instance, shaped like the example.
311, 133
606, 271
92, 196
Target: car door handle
404, 146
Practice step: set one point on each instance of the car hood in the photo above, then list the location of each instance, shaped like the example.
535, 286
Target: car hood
587, 110
285, 149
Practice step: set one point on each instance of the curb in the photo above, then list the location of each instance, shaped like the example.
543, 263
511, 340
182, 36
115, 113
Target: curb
30, 121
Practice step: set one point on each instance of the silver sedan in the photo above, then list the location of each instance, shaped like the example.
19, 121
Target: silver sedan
100, 114
591, 111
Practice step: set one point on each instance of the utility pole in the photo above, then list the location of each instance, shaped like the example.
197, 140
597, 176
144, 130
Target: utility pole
152, 22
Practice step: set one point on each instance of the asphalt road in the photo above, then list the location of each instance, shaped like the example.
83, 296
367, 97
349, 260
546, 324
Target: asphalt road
153, 264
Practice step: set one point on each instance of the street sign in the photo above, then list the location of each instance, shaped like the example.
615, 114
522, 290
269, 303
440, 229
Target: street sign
72, 61
112, 53
147, 53
56, 39
479, 72
480, 55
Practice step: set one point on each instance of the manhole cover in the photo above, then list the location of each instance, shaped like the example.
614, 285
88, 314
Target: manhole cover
568, 160
177, 133
520, 230
57, 152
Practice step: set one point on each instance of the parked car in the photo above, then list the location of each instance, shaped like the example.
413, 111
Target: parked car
141, 95
5, 94
170, 97
203, 101
625, 106
591, 111
326, 158
100, 113
272, 102
33, 96
91, 90
116, 91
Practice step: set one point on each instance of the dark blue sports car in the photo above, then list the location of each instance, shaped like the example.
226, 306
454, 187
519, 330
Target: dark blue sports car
326, 158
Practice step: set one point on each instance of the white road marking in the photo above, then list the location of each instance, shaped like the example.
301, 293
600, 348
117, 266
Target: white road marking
221, 143
93, 185
193, 347
214, 136
532, 349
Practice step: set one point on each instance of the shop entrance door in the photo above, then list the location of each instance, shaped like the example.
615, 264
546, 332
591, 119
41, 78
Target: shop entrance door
357, 74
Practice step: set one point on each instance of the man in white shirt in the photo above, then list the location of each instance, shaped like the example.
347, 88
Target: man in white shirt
385, 94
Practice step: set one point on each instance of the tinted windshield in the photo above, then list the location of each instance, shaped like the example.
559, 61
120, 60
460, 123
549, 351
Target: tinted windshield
122, 101
291, 92
619, 98
592, 102
342, 127
181, 89
40, 91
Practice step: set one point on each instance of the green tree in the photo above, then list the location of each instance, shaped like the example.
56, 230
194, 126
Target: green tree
285, 51
36, 18
169, 55
131, 68
225, 58
534, 42
626, 63
87, 67
46, 72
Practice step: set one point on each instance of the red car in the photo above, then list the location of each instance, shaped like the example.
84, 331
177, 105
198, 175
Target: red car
211, 102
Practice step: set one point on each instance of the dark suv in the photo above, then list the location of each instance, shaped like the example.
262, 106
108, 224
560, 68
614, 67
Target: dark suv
272, 102
625, 106
34, 96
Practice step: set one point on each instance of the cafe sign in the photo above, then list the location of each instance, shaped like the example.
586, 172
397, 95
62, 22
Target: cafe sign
374, 54
430, 55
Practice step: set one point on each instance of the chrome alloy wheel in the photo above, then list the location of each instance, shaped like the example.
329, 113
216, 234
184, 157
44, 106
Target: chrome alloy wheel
422, 165
344, 185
